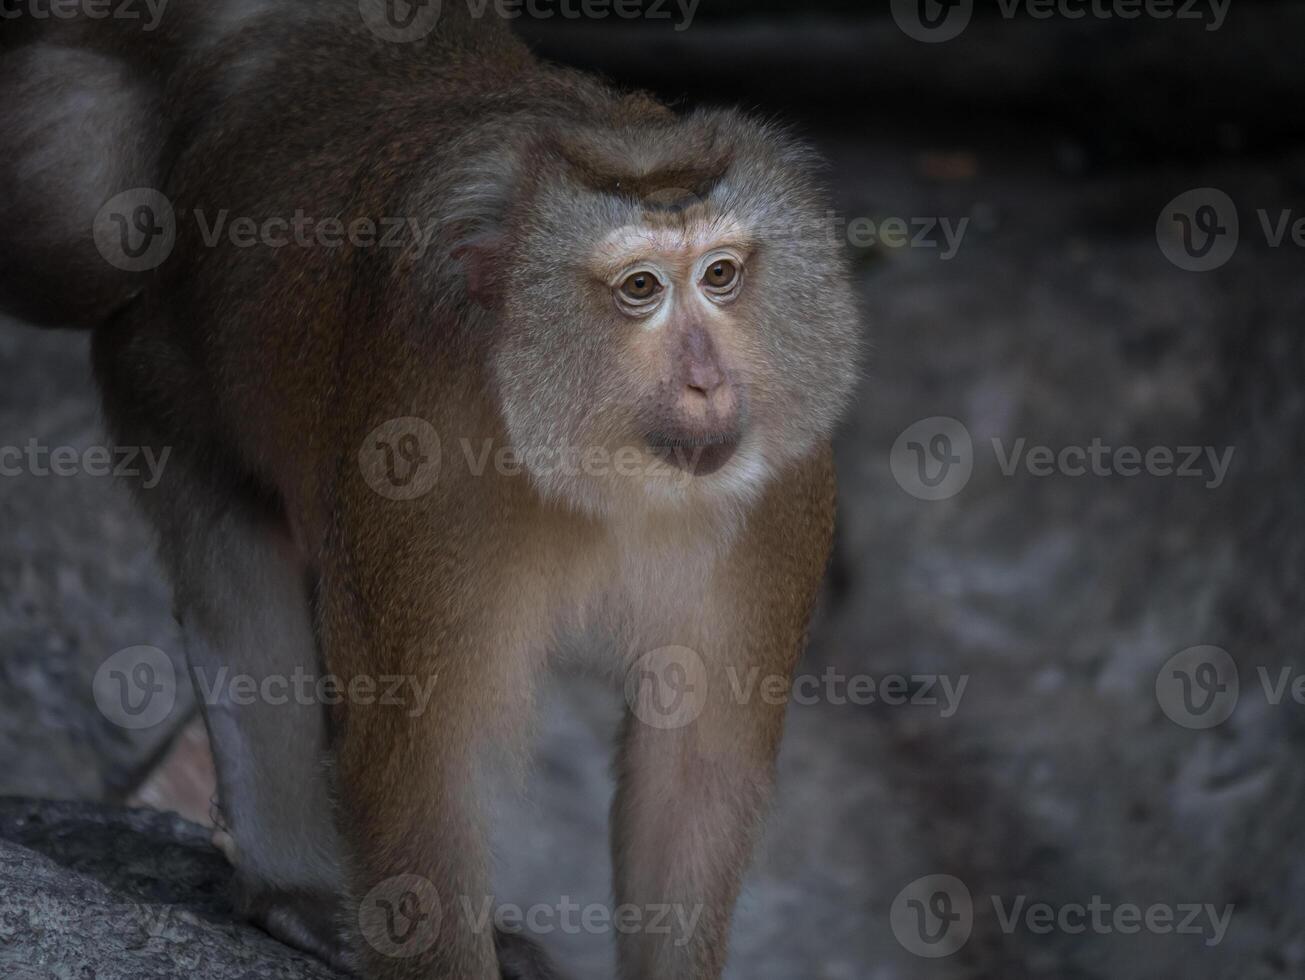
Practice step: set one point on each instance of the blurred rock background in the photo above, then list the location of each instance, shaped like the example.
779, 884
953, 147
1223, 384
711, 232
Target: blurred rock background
1057, 601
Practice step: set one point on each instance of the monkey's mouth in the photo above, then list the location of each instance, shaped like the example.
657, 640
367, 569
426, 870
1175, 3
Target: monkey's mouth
697, 455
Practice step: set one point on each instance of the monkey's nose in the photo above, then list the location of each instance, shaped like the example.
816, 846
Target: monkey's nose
710, 402
706, 386
705, 378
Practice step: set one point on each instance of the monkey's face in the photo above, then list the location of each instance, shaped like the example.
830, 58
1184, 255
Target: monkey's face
678, 346
672, 286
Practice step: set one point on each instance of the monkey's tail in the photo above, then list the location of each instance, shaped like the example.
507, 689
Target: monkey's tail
85, 133
79, 124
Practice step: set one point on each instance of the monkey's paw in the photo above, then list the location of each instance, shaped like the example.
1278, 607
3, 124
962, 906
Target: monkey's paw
305, 920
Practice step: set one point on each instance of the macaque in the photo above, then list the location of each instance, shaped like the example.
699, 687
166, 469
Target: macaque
463, 360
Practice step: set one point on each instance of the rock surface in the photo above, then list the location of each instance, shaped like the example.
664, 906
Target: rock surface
94, 893
78, 582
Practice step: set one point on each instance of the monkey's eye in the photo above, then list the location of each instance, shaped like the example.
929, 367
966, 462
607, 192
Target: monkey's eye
640, 287
721, 275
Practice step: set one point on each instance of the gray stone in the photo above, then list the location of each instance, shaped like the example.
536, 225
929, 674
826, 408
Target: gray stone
96, 893
78, 582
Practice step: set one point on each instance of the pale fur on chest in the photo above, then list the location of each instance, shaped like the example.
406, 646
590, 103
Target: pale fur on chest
620, 588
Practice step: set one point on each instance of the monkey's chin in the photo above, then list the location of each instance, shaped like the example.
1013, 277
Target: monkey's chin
700, 457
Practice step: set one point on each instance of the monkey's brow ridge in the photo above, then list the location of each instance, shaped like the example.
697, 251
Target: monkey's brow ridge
664, 185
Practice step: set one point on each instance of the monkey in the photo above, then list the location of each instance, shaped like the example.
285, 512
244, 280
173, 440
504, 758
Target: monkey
585, 403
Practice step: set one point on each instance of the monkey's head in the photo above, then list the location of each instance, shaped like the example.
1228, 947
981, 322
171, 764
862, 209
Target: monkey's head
673, 315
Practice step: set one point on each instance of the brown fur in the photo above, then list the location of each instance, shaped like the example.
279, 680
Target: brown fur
265, 370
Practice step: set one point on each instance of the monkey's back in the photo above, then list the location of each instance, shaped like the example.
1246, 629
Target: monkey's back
256, 112
98, 107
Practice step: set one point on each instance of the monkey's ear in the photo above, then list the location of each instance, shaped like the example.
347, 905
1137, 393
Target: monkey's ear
480, 260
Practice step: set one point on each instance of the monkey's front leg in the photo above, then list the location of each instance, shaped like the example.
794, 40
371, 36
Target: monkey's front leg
686, 815
408, 810
697, 759
407, 773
